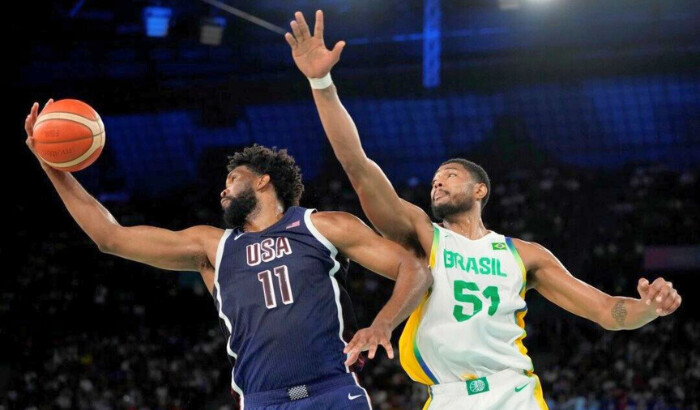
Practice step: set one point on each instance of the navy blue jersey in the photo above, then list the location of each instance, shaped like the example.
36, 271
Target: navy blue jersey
280, 294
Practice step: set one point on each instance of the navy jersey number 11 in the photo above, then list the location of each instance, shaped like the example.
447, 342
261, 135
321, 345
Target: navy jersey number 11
280, 293
282, 274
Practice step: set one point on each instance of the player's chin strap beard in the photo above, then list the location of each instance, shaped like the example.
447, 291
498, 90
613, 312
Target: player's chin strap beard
444, 211
240, 208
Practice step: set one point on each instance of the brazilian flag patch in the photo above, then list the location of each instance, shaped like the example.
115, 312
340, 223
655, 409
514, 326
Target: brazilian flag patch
499, 246
476, 386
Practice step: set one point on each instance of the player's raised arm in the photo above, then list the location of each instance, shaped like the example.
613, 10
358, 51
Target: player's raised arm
556, 284
393, 217
358, 242
162, 248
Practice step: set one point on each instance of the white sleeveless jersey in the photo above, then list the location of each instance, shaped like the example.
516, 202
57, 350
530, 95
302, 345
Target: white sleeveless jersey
471, 323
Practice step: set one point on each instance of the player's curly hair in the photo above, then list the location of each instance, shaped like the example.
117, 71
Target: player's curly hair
278, 164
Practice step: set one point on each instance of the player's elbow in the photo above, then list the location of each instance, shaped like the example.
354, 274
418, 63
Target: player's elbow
101, 247
606, 315
422, 275
106, 246
609, 325
109, 241
354, 162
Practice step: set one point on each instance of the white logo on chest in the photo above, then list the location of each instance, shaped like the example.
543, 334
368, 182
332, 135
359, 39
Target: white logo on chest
477, 385
267, 250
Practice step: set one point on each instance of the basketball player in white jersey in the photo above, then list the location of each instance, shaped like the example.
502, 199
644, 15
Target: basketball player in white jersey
465, 339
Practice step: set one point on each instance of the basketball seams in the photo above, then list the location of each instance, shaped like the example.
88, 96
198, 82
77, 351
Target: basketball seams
85, 118
92, 125
102, 129
92, 112
92, 133
67, 112
96, 144
73, 140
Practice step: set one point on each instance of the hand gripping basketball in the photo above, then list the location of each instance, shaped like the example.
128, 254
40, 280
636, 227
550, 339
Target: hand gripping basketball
67, 135
29, 127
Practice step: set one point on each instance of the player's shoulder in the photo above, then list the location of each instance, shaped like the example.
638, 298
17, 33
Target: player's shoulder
526, 245
532, 253
416, 214
338, 227
204, 232
522, 244
334, 219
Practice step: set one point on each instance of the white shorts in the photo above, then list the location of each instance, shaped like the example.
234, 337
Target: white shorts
507, 389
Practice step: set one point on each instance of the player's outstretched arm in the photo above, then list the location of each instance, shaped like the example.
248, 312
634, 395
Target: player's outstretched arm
393, 217
358, 242
556, 284
162, 248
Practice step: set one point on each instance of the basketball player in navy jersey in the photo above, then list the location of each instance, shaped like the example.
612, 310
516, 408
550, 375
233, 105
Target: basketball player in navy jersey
275, 277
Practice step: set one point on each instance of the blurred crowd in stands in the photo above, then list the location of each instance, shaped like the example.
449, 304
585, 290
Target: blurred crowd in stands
84, 330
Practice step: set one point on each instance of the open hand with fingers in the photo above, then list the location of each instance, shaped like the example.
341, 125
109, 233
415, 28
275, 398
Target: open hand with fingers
369, 339
659, 295
310, 54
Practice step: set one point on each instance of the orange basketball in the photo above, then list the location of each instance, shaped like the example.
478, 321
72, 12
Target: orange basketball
69, 135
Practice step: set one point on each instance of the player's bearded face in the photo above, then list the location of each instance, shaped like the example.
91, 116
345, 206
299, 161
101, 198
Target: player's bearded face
452, 202
239, 207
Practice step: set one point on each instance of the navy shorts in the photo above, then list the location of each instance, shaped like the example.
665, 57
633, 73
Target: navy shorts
338, 393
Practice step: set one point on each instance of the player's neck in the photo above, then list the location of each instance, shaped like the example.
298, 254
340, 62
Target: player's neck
468, 224
266, 214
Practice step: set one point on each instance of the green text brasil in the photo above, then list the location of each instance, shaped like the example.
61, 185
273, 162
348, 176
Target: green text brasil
477, 266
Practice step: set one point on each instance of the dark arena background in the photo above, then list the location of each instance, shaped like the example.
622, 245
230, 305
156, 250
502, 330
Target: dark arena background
586, 114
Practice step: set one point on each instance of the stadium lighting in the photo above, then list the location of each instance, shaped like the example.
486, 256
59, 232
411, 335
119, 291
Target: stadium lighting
538, 3
212, 30
508, 4
157, 20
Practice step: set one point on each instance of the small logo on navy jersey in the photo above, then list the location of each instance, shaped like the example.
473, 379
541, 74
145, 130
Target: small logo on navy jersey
267, 250
293, 225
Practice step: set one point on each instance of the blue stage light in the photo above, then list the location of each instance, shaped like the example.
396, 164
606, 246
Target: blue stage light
157, 20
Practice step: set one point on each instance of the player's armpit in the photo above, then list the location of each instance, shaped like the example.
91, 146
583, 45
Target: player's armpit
192, 249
